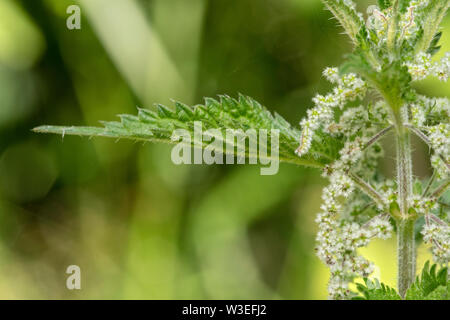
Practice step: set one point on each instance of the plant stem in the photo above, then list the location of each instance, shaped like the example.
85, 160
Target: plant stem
405, 223
376, 137
393, 26
429, 184
441, 190
404, 170
367, 188
406, 255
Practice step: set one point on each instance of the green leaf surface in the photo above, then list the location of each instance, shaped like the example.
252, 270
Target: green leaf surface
224, 114
374, 290
431, 285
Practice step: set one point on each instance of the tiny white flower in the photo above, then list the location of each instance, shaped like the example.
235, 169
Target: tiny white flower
421, 67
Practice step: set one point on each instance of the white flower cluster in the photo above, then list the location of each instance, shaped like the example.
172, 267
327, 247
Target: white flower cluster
355, 127
418, 116
380, 228
434, 108
378, 21
350, 122
341, 232
437, 234
331, 74
440, 139
439, 166
338, 242
421, 205
349, 88
349, 200
431, 111
339, 238
442, 69
350, 154
422, 67
440, 108
379, 112
387, 190
408, 22
440, 104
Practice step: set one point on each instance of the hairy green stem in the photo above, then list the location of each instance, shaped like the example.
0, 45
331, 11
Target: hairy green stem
406, 255
378, 136
367, 188
429, 184
439, 192
404, 171
405, 223
393, 26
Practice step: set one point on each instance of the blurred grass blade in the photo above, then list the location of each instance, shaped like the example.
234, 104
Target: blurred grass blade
135, 48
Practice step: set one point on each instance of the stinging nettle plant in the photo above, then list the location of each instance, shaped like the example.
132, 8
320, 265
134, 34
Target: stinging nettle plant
373, 96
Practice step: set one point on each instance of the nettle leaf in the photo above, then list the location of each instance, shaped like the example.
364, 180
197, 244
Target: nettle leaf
433, 16
374, 290
347, 17
224, 114
434, 45
431, 285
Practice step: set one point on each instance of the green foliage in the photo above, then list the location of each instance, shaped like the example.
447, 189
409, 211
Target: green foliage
227, 113
434, 45
434, 14
357, 62
393, 80
431, 285
374, 290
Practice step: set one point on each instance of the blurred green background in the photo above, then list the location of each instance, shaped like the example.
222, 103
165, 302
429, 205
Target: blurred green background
137, 225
